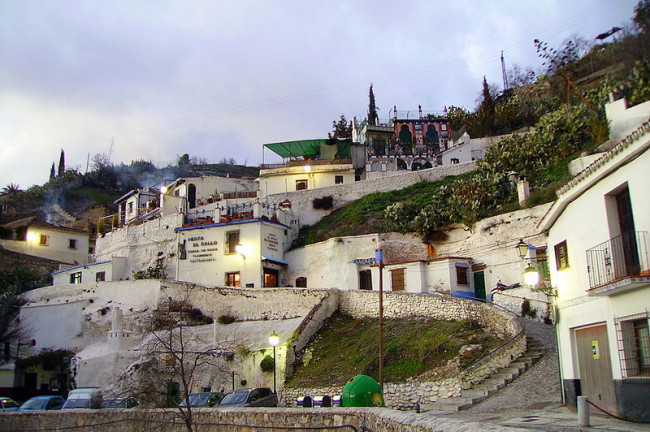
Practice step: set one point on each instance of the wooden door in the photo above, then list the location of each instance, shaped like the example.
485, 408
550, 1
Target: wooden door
594, 362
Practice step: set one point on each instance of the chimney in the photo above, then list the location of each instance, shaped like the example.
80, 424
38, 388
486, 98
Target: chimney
523, 191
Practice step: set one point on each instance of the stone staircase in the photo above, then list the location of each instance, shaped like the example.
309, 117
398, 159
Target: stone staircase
491, 384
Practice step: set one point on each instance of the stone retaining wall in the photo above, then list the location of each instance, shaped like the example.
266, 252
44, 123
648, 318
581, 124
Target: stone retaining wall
239, 419
302, 201
365, 304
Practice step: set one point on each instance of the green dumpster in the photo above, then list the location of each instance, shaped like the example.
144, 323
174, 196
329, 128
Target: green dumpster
362, 391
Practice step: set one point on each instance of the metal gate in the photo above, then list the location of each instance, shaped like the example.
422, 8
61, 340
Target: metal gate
595, 365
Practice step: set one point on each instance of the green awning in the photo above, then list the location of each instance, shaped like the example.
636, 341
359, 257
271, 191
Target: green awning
291, 149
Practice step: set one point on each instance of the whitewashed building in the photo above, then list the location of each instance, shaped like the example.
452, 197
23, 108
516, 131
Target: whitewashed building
102, 271
309, 164
238, 253
33, 236
598, 250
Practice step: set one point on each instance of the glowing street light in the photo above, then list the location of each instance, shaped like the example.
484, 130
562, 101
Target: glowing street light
274, 340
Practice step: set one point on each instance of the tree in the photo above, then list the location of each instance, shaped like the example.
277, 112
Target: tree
642, 16
373, 118
52, 172
518, 76
11, 189
183, 160
341, 129
175, 358
61, 164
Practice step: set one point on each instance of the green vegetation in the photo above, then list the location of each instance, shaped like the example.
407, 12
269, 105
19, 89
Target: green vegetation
346, 347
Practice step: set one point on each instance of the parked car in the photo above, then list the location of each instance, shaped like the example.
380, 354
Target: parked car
42, 403
255, 397
120, 403
206, 399
7, 405
84, 398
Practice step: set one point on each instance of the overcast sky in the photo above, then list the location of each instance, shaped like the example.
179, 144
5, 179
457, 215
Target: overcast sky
218, 79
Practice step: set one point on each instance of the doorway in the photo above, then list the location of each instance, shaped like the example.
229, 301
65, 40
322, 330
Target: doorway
479, 285
270, 278
595, 367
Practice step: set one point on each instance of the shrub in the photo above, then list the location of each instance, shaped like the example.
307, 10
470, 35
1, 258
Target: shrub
267, 364
226, 319
323, 203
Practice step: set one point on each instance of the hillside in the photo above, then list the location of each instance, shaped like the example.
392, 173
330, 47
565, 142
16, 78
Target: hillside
345, 347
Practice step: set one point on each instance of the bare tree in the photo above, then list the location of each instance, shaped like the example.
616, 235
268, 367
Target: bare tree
178, 354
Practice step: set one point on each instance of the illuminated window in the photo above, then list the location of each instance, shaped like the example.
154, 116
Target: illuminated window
561, 256
233, 279
301, 184
75, 278
43, 240
397, 279
232, 240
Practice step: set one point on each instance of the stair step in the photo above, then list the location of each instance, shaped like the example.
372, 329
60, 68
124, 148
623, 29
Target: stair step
474, 393
490, 388
503, 376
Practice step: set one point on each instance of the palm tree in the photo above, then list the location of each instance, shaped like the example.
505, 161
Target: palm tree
11, 189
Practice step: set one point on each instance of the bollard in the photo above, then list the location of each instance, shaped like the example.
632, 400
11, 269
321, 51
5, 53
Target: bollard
327, 401
306, 402
583, 411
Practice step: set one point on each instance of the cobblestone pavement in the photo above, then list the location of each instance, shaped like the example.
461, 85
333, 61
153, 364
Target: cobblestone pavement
533, 400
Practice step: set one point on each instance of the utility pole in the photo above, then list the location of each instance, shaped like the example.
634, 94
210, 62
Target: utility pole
379, 257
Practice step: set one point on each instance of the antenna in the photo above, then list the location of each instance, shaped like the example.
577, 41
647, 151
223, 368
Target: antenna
110, 150
503, 70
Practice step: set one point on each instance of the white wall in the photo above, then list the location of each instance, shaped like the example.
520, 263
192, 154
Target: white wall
57, 247
114, 270
207, 261
282, 180
623, 120
581, 219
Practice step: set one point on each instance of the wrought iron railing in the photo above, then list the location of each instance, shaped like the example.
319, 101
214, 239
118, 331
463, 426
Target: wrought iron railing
623, 256
311, 162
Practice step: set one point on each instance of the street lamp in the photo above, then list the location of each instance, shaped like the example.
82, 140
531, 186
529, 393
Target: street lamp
522, 248
274, 339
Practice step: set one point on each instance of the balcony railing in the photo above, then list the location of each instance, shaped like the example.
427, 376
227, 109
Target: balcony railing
310, 162
617, 259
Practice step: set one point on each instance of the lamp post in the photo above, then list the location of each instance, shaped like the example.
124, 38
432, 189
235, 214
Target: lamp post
274, 339
531, 275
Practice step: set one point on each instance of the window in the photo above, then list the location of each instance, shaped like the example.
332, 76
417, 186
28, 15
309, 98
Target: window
461, 275
100, 276
72, 244
301, 185
233, 279
455, 161
561, 256
397, 279
633, 337
365, 280
338, 179
75, 278
443, 127
301, 282
232, 240
43, 240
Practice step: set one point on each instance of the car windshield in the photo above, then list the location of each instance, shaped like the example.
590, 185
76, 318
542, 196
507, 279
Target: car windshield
77, 403
34, 404
114, 403
234, 398
197, 399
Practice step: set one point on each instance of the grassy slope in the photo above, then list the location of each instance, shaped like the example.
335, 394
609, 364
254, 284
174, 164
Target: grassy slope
346, 347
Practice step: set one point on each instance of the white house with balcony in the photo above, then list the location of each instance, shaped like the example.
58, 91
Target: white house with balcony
598, 250
309, 164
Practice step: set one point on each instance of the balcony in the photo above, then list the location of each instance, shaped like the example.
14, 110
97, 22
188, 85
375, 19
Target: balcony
619, 264
310, 162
